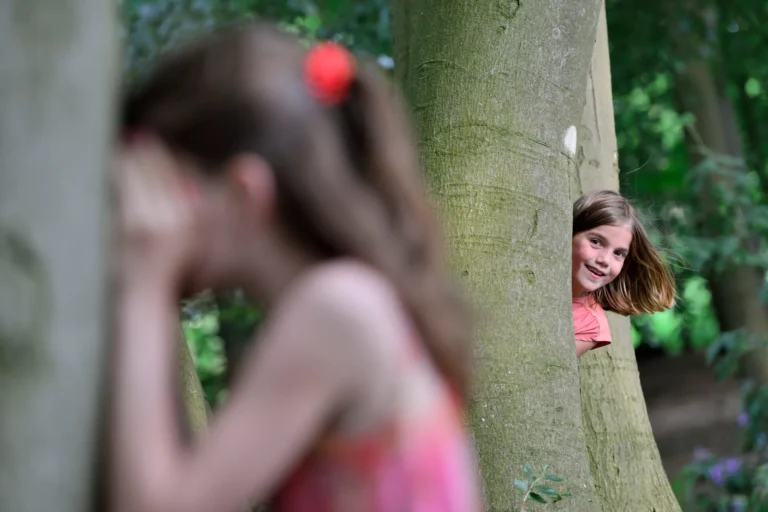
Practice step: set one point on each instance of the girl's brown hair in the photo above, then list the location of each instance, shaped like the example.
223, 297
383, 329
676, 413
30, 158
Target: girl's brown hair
645, 284
348, 180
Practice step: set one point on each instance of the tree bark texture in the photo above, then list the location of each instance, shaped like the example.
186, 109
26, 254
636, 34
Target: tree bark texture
58, 78
497, 91
625, 460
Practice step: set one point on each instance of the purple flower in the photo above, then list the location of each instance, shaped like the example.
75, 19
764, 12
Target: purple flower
717, 474
743, 420
732, 466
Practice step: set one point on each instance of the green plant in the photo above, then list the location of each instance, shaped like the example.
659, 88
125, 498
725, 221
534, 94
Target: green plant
537, 490
200, 324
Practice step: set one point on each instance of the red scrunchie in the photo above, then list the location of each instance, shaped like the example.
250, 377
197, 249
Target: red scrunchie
329, 71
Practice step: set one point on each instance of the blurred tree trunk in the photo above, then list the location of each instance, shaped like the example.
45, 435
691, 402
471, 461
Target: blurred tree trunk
701, 91
192, 397
59, 69
625, 460
497, 89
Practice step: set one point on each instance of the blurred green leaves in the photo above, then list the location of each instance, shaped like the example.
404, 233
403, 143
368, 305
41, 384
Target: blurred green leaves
201, 331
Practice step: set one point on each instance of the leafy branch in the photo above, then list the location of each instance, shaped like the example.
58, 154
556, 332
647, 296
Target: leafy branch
536, 490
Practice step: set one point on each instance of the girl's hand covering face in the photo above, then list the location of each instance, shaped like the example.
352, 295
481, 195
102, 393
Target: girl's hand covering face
156, 212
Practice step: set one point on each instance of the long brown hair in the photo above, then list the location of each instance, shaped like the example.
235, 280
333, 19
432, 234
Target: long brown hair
645, 284
348, 180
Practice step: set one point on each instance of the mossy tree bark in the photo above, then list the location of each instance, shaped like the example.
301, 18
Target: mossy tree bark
59, 77
626, 464
497, 89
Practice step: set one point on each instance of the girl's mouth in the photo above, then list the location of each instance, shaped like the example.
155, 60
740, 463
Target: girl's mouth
596, 273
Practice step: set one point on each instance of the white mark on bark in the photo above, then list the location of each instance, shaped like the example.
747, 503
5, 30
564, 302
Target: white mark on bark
570, 140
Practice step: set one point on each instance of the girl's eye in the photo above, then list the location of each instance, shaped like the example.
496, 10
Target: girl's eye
595, 241
621, 254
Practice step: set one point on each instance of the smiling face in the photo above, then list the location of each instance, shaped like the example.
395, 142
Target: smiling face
598, 256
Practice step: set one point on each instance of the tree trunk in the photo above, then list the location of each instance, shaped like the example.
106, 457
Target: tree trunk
497, 88
59, 76
192, 396
625, 460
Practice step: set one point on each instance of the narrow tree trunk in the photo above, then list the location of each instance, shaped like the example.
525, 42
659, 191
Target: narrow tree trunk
58, 79
497, 88
192, 396
625, 460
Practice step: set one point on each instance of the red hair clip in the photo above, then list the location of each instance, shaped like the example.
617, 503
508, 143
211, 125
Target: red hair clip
329, 71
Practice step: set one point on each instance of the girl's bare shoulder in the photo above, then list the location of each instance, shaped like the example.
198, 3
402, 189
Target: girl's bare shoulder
351, 302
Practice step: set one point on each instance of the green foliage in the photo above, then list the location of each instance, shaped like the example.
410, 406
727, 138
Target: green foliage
537, 489
200, 323
651, 43
210, 324
238, 316
151, 27
692, 324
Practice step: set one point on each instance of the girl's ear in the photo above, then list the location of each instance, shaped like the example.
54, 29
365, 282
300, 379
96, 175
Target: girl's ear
254, 186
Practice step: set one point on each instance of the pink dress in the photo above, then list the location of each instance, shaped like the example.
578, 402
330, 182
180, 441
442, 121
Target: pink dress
417, 462
590, 322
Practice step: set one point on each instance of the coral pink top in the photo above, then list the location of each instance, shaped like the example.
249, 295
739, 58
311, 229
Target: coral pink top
420, 461
590, 322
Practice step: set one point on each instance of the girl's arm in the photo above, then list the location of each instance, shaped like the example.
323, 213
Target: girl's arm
584, 346
310, 364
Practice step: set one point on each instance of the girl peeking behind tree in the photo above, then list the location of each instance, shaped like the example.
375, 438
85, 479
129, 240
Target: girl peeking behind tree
614, 268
